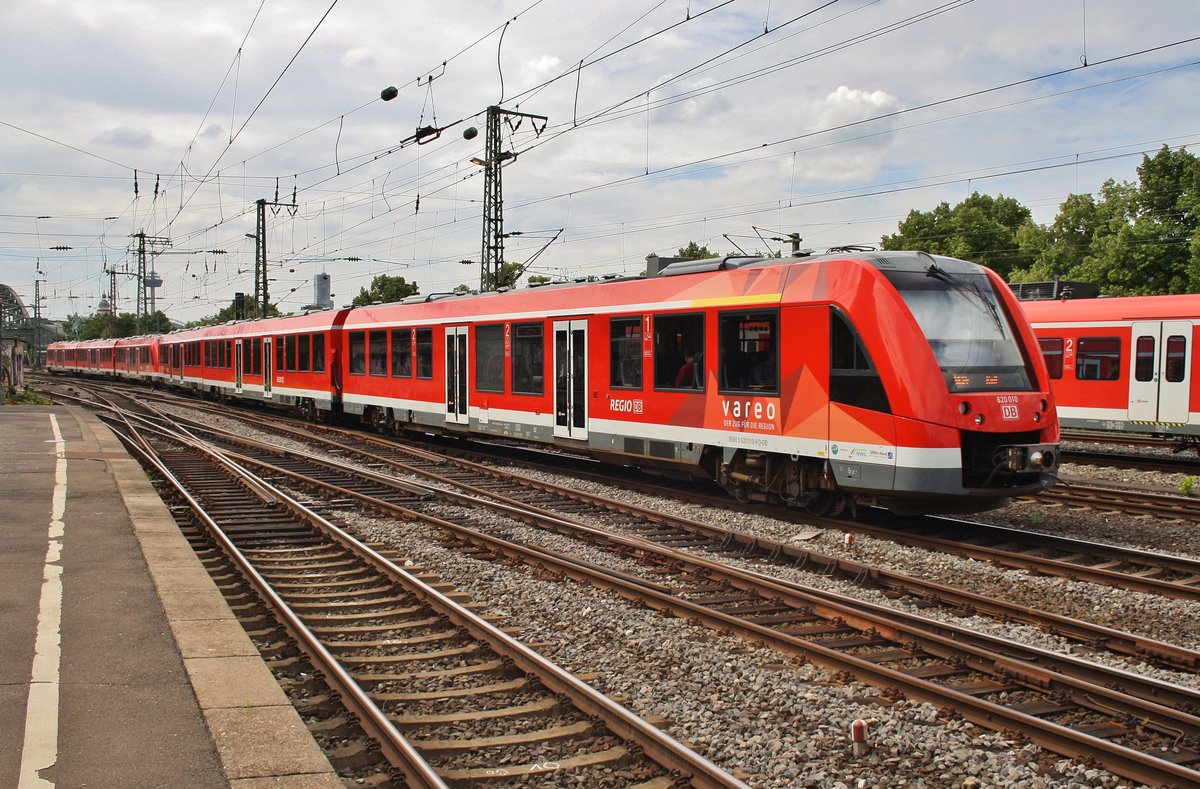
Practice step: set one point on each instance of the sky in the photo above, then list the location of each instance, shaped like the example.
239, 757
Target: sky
731, 123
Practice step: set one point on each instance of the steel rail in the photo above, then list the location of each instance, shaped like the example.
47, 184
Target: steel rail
1128, 762
395, 747
1118, 641
660, 747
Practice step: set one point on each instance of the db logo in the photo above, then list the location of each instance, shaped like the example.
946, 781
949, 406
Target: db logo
1009, 412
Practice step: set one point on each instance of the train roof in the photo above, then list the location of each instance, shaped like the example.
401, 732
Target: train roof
1116, 308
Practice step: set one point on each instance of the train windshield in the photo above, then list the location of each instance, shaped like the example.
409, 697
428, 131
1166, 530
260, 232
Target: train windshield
967, 328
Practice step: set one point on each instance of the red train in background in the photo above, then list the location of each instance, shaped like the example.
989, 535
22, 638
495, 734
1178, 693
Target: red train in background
1122, 364
896, 379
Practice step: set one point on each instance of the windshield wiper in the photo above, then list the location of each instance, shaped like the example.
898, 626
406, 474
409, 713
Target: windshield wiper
970, 289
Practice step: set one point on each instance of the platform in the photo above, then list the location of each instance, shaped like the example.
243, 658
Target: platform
120, 663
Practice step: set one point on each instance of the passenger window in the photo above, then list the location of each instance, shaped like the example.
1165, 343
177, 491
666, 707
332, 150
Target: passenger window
402, 353
1143, 359
358, 353
748, 352
852, 377
1052, 351
489, 358
377, 347
1176, 358
424, 353
289, 355
303, 351
679, 352
1098, 359
318, 353
625, 353
528, 359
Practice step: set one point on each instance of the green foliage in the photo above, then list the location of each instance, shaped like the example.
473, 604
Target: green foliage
982, 229
385, 289
694, 251
25, 397
230, 313
1131, 239
100, 326
1187, 485
506, 277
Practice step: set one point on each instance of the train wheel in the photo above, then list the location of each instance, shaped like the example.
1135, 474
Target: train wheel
821, 503
309, 410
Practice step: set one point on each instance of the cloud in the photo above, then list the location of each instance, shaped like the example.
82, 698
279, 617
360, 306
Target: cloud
125, 137
360, 57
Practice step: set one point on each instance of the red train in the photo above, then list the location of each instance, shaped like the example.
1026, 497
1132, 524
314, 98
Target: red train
1122, 364
897, 379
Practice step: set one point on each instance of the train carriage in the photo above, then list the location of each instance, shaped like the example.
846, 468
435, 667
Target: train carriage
1122, 364
896, 378
899, 379
289, 362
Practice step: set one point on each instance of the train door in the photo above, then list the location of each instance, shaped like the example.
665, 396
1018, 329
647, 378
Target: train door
237, 366
268, 359
1159, 383
456, 375
570, 379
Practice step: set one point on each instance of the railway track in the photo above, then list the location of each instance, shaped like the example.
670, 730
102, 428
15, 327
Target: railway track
666, 529
447, 697
1098, 722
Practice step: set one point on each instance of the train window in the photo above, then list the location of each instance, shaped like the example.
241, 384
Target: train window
678, 351
278, 354
1176, 358
318, 353
528, 359
852, 377
289, 353
377, 350
625, 353
402, 353
1052, 351
748, 354
489, 358
424, 353
358, 353
303, 352
247, 356
1143, 359
968, 328
256, 356
1098, 359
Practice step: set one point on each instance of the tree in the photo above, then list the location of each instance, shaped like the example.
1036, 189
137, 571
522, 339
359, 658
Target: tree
385, 289
505, 277
250, 312
982, 229
1138, 239
100, 326
693, 251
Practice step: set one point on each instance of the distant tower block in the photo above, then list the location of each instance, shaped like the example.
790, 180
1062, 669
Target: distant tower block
321, 295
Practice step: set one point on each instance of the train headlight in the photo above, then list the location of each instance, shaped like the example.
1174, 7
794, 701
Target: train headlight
1037, 416
964, 408
979, 419
1036, 458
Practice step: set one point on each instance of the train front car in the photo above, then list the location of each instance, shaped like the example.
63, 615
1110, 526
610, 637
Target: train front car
906, 382
974, 418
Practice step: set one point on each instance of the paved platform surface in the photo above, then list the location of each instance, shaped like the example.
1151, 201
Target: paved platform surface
120, 663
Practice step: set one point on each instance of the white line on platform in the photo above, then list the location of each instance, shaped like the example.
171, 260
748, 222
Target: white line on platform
40, 750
